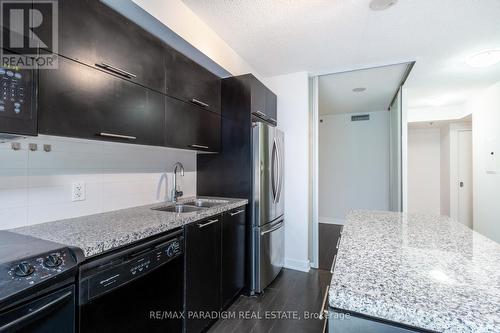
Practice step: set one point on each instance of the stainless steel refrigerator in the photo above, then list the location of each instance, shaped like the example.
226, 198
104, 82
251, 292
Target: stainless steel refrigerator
268, 222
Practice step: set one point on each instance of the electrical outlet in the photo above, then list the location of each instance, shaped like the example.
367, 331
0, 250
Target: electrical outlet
78, 191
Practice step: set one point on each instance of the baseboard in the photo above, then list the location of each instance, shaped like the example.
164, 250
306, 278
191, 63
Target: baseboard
331, 220
298, 265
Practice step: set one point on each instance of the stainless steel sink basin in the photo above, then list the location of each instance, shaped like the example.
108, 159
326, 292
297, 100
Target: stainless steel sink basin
179, 209
204, 203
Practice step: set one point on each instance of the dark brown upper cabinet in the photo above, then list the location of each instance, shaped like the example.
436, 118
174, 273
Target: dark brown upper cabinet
263, 102
94, 34
189, 127
192, 83
80, 101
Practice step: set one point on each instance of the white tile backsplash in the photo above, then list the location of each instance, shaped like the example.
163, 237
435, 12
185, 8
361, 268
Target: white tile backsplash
35, 187
13, 217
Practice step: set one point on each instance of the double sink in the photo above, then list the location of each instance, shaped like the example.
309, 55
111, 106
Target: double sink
191, 206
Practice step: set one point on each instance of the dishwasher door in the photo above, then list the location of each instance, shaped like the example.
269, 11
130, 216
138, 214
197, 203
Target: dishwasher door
139, 290
270, 253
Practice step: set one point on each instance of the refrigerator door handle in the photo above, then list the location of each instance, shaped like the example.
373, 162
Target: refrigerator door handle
280, 166
274, 166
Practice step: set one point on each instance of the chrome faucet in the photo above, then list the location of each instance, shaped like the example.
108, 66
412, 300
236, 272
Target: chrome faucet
175, 193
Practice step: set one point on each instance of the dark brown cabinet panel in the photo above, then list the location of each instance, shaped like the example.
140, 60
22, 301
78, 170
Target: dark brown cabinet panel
202, 287
80, 101
190, 82
271, 105
93, 33
190, 127
263, 102
258, 92
233, 255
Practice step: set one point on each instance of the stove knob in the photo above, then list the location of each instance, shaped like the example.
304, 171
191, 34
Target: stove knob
24, 269
52, 261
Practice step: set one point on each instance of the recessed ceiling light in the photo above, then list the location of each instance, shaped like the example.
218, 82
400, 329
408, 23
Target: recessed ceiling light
360, 89
382, 4
484, 59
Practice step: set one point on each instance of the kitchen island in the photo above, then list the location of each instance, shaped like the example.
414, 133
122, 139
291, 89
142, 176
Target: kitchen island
414, 273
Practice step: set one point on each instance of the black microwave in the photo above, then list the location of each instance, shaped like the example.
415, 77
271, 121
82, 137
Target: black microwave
18, 102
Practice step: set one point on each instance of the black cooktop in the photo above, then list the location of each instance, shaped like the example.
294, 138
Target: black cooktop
28, 265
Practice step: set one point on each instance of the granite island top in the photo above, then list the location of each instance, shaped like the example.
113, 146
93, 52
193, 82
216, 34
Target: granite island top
427, 272
98, 233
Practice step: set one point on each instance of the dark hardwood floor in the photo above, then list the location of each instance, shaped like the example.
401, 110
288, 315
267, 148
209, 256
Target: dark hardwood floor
291, 296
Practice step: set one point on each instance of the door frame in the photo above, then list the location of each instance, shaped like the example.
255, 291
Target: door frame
314, 173
455, 128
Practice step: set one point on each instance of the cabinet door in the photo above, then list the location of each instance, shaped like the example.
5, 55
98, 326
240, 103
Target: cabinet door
80, 101
93, 33
271, 105
263, 100
233, 254
202, 271
258, 96
191, 83
190, 127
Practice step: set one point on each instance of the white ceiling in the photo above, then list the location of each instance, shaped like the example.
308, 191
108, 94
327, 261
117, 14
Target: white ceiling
381, 83
326, 36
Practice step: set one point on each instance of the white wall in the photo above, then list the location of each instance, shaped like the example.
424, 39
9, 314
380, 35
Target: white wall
424, 170
35, 187
485, 108
437, 113
293, 119
183, 21
353, 165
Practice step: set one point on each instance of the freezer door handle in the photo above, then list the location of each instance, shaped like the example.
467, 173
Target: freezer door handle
272, 229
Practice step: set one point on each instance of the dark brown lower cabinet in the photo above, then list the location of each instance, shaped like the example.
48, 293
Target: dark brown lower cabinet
232, 255
202, 287
215, 266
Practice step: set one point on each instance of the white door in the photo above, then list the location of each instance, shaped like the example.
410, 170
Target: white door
465, 177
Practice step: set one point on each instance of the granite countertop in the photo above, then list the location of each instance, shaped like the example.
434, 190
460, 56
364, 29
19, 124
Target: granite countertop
423, 271
95, 234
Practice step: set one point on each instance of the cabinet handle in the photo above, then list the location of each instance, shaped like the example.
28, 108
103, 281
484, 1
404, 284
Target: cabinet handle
263, 116
322, 311
199, 146
338, 242
116, 70
118, 136
198, 102
203, 225
236, 213
333, 263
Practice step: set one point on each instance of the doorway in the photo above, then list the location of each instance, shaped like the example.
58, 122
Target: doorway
440, 175
352, 149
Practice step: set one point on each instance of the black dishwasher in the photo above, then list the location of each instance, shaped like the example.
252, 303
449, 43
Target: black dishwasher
139, 289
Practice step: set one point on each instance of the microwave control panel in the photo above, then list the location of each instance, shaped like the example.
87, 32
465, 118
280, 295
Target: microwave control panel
14, 93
